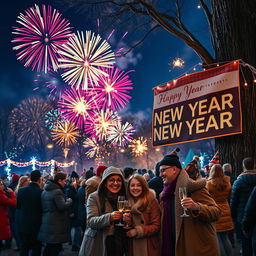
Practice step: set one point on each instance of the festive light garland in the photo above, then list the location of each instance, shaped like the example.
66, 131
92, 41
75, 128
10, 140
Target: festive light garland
34, 163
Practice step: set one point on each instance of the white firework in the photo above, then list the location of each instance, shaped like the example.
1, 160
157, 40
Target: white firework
84, 58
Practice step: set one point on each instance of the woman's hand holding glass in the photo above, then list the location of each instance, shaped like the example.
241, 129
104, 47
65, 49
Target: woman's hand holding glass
116, 215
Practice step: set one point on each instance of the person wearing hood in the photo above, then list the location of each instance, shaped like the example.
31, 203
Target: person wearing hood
102, 215
144, 220
54, 229
241, 191
184, 235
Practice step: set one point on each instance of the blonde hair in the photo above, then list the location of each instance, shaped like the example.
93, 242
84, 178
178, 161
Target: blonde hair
219, 180
21, 182
144, 196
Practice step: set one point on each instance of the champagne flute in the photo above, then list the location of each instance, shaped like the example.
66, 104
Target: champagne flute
127, 209
120, 207
183, 195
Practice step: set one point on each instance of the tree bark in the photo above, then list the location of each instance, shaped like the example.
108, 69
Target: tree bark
234, 26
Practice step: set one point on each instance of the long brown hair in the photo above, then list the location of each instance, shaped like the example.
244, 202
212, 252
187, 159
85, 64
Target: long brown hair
144, 197
219, 180
21, 182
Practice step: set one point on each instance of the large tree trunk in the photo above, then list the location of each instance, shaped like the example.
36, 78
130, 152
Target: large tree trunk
234, 37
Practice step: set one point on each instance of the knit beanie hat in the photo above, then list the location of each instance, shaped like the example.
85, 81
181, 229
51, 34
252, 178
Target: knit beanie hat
35, 175
172, 159
100, 169
192, 170
15, 177
216, 158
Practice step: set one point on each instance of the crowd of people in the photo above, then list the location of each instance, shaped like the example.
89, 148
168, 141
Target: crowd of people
172, 211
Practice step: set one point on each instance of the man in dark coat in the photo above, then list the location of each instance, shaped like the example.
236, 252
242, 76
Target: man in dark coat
29, 215
241, 191
157, 182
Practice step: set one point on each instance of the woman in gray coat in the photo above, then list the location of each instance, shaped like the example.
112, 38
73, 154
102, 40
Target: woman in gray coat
102, 236
54, 229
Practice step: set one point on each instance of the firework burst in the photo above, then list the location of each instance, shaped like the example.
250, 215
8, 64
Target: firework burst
77, 106
93, 147
52, 118
40, 36
27, 121
101, 122
82, 59
65, 134
113, 89
120, 134
139, 146
53, 82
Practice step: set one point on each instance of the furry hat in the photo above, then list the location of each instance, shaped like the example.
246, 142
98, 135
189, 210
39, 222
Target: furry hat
15, 177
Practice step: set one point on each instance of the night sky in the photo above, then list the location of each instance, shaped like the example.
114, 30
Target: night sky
151, 60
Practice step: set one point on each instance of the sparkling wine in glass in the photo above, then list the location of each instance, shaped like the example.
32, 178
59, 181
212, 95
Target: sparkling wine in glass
120, 207
183, 195
127, 209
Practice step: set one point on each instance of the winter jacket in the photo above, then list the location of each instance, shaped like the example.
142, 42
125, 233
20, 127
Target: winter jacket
81, 207
29, 209
71, 192
222, 197
147, 223
196, 234
98, 223
249, 218
5, 202
157, 185
241, 191
55, 223
92, 185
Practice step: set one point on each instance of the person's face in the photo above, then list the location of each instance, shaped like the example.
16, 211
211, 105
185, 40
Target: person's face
114, 184
135, 188
168, 173
62, 182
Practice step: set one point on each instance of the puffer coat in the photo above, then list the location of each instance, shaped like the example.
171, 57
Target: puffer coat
55, 223
222, 198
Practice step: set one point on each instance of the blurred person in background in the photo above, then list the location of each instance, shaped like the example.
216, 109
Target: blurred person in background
7, 198
157, 182
220, 189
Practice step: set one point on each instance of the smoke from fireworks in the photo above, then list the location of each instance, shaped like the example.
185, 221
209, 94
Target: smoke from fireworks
40, 36
65, 134
27, 121
82, 59
120, 134
113, 89
77, 106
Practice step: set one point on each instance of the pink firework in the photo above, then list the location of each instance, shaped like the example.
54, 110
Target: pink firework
77, 106
40, 37
113, 89
100, 123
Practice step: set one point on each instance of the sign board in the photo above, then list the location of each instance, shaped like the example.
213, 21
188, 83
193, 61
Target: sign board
198, 106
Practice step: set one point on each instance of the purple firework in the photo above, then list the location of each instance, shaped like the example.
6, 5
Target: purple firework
77, 106
40, 37
53, 81
113, 89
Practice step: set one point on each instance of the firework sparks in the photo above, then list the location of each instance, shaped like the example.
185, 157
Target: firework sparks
65, 134
83, 58
113, 89
120, 134
139, 146
77, 106
52, 81
93, 147
178, 63
101, 122
41, 35
52, 118
27, 121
